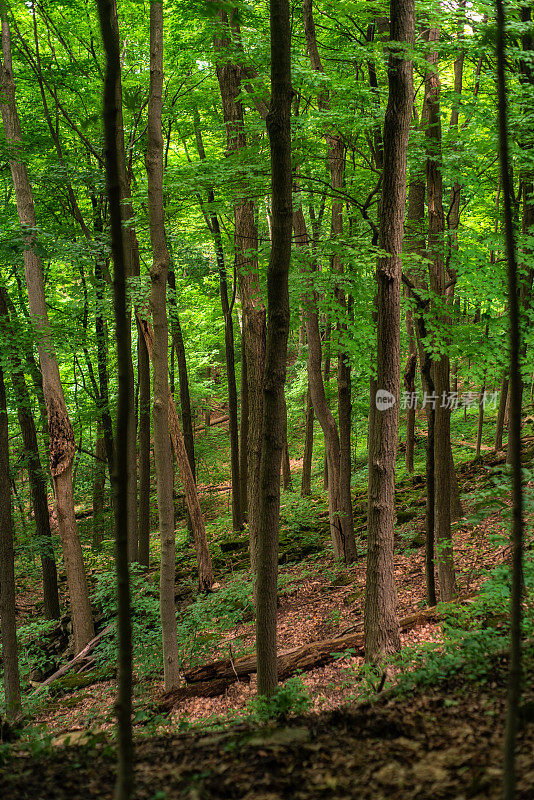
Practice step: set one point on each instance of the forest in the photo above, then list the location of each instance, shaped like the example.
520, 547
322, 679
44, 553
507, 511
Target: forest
267, 399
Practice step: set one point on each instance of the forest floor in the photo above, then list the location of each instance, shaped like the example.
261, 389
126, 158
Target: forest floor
441, 741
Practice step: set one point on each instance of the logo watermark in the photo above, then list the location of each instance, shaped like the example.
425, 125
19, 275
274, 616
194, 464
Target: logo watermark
384, 399
450, 400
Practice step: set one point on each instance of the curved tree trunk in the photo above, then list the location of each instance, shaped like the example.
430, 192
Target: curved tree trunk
59, 425
35, 473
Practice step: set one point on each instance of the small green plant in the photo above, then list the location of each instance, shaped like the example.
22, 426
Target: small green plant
291, 698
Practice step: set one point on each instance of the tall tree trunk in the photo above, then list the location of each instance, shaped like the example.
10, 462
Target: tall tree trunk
7, 571
205, 569
132, 264
381, 625
35, 474
183, 377
246, 245
101, 269
99, 482
344, 544
160, 355
243, 431
336, 163
59, 424
122, 465
514, 438
501, 413
229, 349
305, 488
143, 368
441, 372
274, 411
409, 386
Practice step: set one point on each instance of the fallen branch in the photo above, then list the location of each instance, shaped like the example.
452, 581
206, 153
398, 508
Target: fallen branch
76, 660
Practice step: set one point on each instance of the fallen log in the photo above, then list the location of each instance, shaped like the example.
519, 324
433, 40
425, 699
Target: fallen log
214, 678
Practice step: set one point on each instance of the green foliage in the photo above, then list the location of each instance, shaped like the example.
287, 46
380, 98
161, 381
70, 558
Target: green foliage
289, 699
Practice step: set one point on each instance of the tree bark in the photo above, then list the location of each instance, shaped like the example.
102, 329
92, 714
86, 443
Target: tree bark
99, 482
243, 432
183, 377
205, 569
514, 437
59, 424
229, 75
158, 303
35, 474
7, 571
381, 625
409, 385
229, 347
501, 413
344, 544
112, 113
143, 369
274, 408
441, 371
305, 488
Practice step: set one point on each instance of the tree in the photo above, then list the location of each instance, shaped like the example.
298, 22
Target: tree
121, 477
514, 436
381, 627
274, 409
158, 277
7, 570
59, 424
35, 473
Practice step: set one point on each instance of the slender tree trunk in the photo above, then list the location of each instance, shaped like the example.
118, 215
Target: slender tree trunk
441, 372
160, 356
7, 571
183, 377
229, 348
514, 438
143, 368
344, 544
205, 569
229, 75
501, 413
381, 626
59, 424
243, 443
274, 411
101, 339
99, 483
409, 385
122, 465
287, 481
35, 474
305, 488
